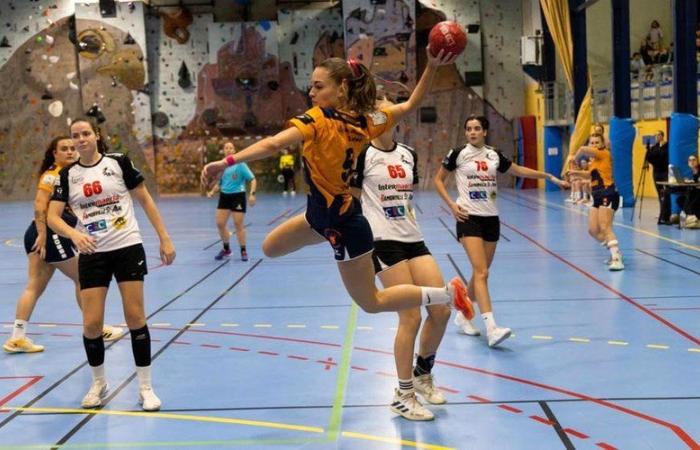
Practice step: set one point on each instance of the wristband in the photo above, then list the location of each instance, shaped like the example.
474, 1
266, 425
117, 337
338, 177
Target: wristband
230, 160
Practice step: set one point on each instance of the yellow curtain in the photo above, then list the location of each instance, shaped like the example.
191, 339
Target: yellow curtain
556, 13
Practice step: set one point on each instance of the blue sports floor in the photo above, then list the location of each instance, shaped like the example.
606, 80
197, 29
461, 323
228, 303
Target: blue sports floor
271, 353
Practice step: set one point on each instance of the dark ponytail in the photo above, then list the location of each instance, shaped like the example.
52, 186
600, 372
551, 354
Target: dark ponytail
361, 89
101, 144
49, 158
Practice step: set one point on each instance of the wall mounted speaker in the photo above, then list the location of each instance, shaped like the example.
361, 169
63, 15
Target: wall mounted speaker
428, 114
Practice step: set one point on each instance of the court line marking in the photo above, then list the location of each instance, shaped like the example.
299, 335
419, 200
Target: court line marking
622, 296
180, 332
667, 261
33, 379
233, 233
403, 442
583, 213
336, 418
108, 346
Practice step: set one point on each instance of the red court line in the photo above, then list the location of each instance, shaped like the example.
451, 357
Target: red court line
239, 349
605, 446
210, 345
629, 300
33, 379
301, 358
510, 408
279, 217
542, 420
358, 368
263, 352
578, 434
479, 399
450, 390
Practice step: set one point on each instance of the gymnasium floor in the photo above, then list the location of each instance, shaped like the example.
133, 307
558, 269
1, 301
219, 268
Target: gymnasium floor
271, 353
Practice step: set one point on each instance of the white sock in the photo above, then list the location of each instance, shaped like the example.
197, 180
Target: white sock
436, 295
489, 321
604, 243
144, 376
98, 373
405, 386
614, 249
19, 330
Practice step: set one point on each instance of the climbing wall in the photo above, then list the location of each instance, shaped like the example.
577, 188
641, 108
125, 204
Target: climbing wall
307, 37
37, 66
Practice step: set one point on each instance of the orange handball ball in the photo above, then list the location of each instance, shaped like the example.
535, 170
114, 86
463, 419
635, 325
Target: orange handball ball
448, 36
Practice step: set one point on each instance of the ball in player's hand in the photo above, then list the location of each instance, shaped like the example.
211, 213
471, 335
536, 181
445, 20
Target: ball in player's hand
448, 36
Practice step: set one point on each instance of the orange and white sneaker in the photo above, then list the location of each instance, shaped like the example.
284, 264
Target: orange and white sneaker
22, 345
460, 298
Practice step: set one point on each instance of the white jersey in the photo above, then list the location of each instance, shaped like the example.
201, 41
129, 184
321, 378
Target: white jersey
99, 197
476, 177
386, 178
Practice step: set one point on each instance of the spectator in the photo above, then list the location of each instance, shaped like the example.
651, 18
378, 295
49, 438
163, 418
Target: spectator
636, 65
690, 201
655, 35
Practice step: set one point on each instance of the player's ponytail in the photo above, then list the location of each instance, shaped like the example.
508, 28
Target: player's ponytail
359, 86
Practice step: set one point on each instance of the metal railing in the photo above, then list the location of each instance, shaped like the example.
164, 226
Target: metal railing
651, 97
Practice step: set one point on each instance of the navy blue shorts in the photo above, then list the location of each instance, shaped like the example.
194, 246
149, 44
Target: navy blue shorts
606, 198
349, 234
58, 248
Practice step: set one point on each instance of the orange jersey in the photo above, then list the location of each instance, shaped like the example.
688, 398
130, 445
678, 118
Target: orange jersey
332, 142
601, 170
49, 179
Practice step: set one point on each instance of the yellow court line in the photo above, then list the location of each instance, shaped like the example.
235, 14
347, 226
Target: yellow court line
547, 338
163, 324
696, 350
296, 325
618, 343
364, 328
368, 437
630, 227
160, 415
576, 339
229, 324
263, 325
658, 347
330, 327
195, 324
47, 325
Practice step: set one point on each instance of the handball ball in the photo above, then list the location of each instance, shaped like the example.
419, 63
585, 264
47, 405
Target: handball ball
448, 36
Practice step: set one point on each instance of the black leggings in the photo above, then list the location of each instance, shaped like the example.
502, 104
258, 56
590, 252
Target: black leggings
288, 175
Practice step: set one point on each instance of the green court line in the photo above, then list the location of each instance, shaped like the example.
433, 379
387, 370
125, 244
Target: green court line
342, 379
170, 444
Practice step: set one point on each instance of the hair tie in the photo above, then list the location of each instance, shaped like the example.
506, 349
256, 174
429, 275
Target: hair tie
355, 69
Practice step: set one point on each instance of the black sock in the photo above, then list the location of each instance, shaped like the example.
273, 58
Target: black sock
227, 247
424, 365
141, 346
95, 350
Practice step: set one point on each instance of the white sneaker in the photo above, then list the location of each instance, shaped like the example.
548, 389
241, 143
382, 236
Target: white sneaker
97, 393
425, 386
466, 326
294, 193
498, 335
110, 333
692, 221
408, 406
616, 264
284, 194
22, 345
148, 399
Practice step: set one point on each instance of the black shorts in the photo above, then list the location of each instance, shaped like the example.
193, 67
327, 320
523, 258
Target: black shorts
487, 228
390, 253
349, 234
606, 198
125, 264
235, 202
58, 248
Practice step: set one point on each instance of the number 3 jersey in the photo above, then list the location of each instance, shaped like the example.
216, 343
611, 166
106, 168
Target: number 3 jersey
99, 197
475, 170
386, 178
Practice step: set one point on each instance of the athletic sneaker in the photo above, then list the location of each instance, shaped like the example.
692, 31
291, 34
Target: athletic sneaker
498, 335
223, 254
148, 399
110, 333
461, 301
425, 386
97, 393
22, 345
408, 406
466, 326
244, 255
616, 264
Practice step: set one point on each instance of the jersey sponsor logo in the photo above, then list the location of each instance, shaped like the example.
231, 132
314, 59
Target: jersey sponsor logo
396, 197
94, 227
76, 180
119, 222
493, 156
111, 200
49, 180
108, 172
401, 187
305, 119
478, 195
103, 211
394, 212
378, 117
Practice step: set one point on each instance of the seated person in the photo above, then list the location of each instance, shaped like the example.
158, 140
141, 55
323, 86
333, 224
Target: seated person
690, 200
